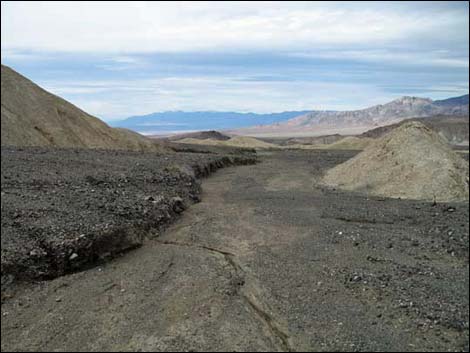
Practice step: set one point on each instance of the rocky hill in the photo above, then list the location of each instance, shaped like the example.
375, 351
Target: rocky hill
411, 162
200, 135
31, 116
245, 142
361, 120
400, 108
454, 129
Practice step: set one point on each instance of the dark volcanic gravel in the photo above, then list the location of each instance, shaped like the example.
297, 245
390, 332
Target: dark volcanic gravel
269, 260
64, 209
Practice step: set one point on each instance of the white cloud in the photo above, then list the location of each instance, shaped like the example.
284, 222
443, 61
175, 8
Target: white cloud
131, 27
121, 99
438, 58
48, 39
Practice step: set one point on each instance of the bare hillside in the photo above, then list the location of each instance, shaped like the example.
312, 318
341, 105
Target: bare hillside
236, 141
411, 162
453, 128
32, 116
317, 123
201, 135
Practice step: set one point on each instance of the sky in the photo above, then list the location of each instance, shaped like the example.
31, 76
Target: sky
120, 59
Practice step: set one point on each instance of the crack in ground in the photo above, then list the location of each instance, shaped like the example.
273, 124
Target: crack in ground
164, 272
278, 335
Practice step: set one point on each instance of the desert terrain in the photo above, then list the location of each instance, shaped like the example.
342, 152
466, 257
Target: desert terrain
113, 241
266, 261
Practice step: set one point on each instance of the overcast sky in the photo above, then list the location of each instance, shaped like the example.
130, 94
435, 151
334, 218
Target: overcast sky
120, 59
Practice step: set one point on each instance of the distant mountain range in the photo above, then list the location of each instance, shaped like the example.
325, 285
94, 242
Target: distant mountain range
179, 121
31, 116
358, 121
403, 107
296, 122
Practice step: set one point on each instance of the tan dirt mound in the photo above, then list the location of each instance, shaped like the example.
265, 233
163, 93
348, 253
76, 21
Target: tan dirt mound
346, 143
411, 162
350, 143
195, 141
237, 141
201, 135
249, 142
31, 116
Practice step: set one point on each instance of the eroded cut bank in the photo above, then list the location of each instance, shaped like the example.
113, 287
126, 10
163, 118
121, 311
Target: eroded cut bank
65, 210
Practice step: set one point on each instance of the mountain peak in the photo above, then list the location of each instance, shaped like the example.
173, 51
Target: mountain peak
405, 107
411, 100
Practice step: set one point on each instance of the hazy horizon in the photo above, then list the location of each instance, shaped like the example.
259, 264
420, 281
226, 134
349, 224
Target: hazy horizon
272, 112
118, 60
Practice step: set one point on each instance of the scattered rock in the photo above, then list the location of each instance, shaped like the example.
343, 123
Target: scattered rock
76, 216
356, 278
178, 204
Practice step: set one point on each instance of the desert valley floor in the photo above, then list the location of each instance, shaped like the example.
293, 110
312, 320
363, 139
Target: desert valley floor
268, 260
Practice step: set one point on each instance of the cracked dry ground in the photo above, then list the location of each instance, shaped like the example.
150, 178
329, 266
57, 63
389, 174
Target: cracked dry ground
268, 261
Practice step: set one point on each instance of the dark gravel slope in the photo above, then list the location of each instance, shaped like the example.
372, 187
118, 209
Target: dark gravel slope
65, 209
268, 261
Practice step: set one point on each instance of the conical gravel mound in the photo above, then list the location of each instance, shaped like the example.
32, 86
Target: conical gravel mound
411, 162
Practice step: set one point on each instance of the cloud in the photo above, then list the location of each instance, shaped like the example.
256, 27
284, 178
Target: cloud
138, 27
116, 59
113, 100
435, 58
24, 56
